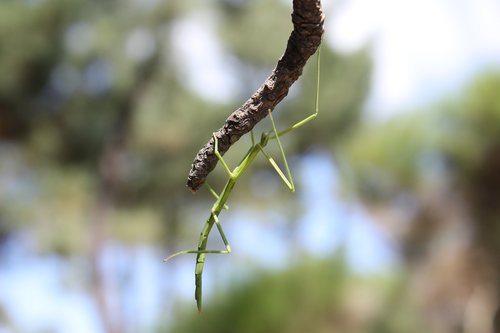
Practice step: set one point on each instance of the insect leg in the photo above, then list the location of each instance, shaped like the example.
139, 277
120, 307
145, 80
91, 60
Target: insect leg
219, 156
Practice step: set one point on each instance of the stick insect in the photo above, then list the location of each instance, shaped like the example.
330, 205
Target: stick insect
234, 176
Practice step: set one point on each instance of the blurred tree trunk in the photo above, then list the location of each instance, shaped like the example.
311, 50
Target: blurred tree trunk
436, 190
110, 168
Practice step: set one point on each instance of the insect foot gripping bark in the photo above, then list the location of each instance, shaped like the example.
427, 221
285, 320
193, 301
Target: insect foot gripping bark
304, 41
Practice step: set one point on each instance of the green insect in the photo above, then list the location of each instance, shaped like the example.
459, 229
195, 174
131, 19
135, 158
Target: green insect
234, 176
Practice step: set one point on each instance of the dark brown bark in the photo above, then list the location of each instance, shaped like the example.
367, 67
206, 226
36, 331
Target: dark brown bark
307, 18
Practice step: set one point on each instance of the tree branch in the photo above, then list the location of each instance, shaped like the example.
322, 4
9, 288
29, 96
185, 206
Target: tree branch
307, 18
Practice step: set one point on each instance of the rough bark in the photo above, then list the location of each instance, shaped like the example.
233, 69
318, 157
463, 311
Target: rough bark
307, 18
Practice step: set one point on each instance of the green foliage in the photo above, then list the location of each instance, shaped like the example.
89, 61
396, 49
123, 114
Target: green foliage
475, 125
289, 301
432, 177
386, 160
25, 62
313, 296
447, 143
263, 23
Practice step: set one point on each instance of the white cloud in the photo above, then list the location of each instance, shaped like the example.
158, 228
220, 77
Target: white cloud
422, 49
201, 61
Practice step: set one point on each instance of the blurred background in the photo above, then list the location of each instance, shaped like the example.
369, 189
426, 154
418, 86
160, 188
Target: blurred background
395, 223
